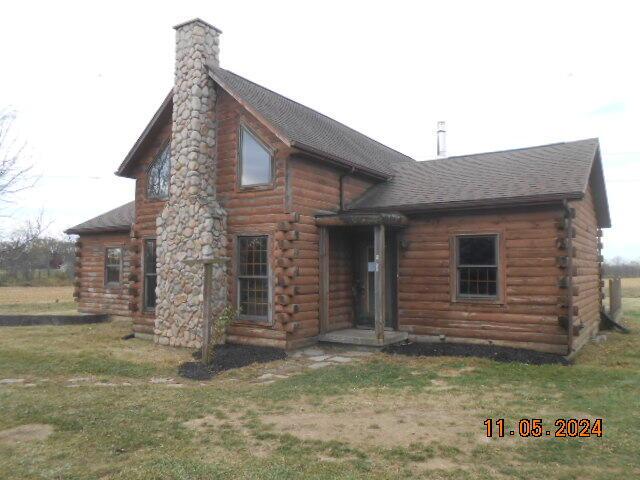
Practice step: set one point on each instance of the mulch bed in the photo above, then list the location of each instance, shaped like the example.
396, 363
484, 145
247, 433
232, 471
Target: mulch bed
227, 357
499, 354
31, 320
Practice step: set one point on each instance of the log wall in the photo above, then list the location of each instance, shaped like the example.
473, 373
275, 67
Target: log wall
252, 211
341, 272
588, 274
533, 301
315, 185
91, 292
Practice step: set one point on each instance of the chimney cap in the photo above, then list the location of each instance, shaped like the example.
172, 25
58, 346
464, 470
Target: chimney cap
441, 126
197, 20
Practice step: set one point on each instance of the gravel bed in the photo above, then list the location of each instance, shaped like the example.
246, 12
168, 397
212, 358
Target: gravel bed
230, 356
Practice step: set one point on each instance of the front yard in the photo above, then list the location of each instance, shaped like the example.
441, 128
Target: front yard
97, 406
37, 300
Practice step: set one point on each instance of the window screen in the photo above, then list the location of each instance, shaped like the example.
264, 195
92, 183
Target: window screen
477, 265
253, 280
255, 160
113, 265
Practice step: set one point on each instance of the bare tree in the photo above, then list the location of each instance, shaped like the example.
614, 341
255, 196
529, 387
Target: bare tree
14, 175
13, 247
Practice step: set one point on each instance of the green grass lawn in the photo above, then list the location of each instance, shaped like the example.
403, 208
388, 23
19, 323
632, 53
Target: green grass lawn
384, 417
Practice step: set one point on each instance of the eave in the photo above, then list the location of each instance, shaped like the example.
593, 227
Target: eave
470, 205
124, 170
98, 230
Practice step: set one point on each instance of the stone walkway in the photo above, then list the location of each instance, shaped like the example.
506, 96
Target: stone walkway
311, 358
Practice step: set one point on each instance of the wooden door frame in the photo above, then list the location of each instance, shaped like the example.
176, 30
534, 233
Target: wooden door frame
380, 252
383, 287
323, 247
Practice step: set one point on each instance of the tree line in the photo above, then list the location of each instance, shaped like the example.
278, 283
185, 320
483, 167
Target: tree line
26, 259
620, 267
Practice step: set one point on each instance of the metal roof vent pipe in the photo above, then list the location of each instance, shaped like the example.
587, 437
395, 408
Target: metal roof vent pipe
442, 140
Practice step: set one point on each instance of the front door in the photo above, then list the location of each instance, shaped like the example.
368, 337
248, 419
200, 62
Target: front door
365, 285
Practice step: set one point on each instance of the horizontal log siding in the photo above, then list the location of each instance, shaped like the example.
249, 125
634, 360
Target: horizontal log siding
250, 212
94, 296
529, 316
587, 262
314, 186
147, 210
341, 301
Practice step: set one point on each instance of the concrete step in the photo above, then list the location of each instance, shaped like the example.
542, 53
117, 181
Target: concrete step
355, 336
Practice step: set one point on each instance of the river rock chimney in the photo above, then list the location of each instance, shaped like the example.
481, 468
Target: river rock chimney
191, 231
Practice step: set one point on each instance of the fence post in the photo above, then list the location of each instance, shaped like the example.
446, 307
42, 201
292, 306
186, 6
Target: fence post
615, 297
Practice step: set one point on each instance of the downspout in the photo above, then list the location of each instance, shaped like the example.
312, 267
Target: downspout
569, 214
342, 177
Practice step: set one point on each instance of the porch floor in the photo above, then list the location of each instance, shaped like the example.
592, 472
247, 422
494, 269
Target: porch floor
367, 338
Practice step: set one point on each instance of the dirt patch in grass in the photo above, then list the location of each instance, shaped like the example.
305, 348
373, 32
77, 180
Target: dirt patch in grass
365, 421
229, 356
25, 433
499, 354
456, 372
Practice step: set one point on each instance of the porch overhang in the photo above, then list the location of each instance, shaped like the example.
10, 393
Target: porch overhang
332, 219
374, 262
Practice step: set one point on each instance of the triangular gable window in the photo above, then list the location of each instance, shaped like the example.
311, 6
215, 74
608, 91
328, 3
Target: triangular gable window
159, 174
255, 160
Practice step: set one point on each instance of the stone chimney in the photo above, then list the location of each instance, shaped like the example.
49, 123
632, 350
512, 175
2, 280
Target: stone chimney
191, 231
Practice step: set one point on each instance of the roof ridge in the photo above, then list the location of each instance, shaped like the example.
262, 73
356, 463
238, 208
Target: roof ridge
316, 111
512, 149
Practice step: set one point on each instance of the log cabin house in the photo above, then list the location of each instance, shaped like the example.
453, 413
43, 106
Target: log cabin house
314, 232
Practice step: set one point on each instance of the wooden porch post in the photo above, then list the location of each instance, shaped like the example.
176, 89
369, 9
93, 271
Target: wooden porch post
380, 280
324, 278
206, 310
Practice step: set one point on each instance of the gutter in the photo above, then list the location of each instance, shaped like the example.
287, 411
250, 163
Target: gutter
474, 204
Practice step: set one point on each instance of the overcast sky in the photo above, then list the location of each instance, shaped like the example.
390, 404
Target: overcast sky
86, 77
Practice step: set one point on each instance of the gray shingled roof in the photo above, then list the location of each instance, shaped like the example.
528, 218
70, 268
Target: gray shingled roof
560, 170
304, 128
116, 220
